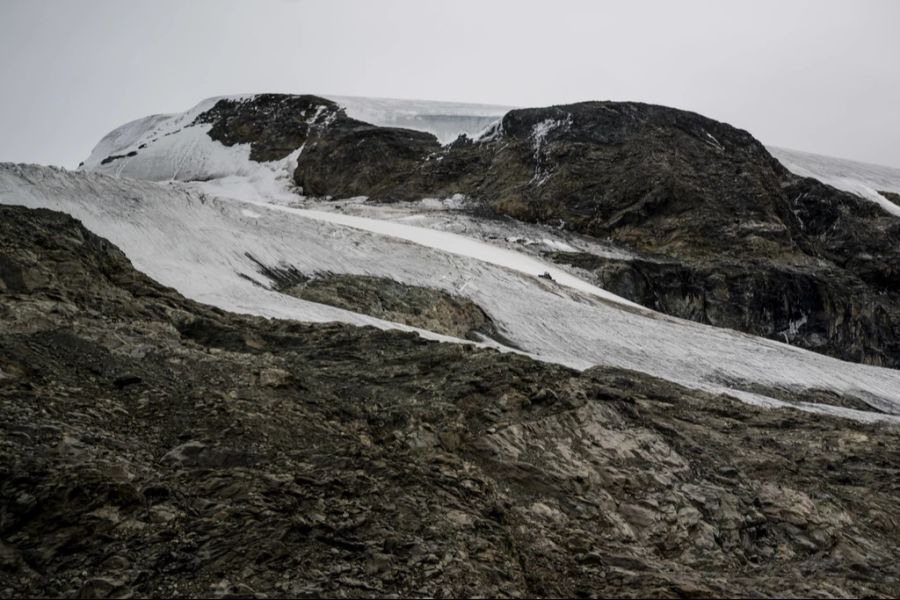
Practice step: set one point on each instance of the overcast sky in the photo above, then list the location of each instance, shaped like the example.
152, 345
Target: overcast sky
817, 75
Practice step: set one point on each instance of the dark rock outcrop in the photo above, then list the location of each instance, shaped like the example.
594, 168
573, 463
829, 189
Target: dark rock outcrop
725, 233
153, 446
626, 170
273, 124
892, 196
426, 308
114, 157
820, 309
384, 162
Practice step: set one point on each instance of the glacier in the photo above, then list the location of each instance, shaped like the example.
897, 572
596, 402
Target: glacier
197, 216
206, 247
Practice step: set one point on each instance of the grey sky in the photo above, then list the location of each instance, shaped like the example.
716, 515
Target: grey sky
816, 75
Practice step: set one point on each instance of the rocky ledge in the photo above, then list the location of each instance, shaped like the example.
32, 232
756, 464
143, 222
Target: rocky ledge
153, 446
426, 308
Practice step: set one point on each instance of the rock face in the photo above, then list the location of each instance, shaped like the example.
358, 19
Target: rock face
387, 299
273, 124
153, 446
835, 291
725, 235
820, 309
610, 168
381, 158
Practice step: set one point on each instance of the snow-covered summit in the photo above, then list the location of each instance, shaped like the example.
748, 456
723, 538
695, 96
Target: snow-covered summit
170, 147
175, 147
179, 147
141, 133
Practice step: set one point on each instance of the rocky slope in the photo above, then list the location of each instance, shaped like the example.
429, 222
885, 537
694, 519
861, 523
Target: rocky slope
724, 234
422, 307
154, 446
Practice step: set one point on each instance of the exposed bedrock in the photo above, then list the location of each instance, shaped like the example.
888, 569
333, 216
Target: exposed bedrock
796, 305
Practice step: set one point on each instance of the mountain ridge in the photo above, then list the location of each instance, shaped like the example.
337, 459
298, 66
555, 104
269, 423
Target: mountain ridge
676, 188
214, 385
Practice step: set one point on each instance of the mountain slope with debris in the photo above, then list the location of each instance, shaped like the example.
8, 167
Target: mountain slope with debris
154, 446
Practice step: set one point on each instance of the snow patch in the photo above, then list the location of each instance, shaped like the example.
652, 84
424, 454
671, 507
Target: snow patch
793, 328
558, 245
538, 136
712, 141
